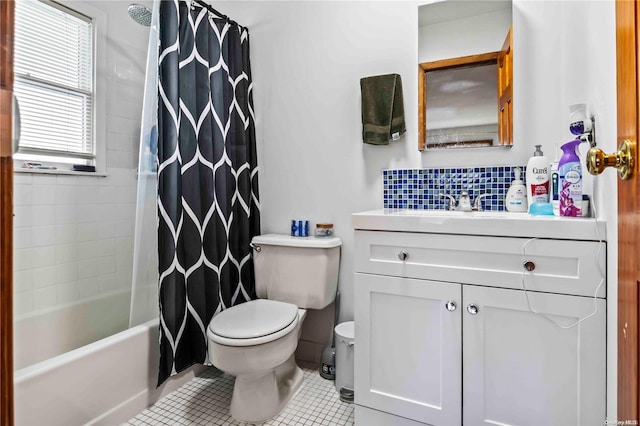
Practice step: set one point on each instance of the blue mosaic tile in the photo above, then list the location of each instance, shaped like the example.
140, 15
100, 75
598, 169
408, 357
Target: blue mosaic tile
421, 188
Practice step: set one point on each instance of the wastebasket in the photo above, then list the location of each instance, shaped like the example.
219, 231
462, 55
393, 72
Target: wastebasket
345, 339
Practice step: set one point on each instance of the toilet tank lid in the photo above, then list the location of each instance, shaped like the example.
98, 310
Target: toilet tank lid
289, 241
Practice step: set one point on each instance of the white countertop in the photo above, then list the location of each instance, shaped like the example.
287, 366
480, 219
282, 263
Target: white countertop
502, 224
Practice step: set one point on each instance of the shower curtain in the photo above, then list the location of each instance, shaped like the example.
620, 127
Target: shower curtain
208, 208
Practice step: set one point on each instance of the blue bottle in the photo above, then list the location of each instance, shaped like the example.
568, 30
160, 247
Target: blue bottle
570, 172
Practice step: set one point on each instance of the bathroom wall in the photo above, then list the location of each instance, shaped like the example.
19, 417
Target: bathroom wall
73, 233
462, 37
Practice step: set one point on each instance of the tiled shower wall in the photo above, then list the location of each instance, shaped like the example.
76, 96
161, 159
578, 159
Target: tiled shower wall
73, 238
421, 188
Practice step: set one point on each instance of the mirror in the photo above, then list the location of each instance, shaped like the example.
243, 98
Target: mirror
465, 74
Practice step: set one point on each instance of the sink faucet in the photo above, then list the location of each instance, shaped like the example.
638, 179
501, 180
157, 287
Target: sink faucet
477, 204
463, 204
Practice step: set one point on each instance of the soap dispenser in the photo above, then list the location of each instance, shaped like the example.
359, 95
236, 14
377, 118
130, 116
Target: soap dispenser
516, 199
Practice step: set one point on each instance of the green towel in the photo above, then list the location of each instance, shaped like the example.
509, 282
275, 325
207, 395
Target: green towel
382, 109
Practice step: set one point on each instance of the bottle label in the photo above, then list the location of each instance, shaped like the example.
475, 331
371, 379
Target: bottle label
540, 192
570, 189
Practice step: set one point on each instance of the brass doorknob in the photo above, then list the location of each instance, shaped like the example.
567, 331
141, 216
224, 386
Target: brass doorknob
623, 160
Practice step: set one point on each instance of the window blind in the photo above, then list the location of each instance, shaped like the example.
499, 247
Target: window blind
53, 68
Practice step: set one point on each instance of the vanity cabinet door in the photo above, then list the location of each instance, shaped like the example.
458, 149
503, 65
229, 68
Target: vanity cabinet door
522, 369
408, 347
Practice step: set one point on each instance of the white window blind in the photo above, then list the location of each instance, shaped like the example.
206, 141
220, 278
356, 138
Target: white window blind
53, 68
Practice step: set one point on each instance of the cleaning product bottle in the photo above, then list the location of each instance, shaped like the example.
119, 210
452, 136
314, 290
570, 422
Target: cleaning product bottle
554, 197
538, 178
570, 180
516, 199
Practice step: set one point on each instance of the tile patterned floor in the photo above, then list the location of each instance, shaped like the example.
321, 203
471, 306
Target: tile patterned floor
205, 401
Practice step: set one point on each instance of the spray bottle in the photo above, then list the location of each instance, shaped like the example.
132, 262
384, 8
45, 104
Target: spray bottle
570, 172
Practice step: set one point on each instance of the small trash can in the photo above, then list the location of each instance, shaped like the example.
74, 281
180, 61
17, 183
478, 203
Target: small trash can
345, 339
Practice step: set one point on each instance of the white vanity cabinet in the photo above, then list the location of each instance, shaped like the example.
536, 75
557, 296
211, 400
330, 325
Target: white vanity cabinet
445, 335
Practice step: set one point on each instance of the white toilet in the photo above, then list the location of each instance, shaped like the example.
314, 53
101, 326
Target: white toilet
255, 341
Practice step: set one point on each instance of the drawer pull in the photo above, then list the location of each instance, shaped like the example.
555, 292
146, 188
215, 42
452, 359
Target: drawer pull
450, 306
403, 255
472, 309
529, 265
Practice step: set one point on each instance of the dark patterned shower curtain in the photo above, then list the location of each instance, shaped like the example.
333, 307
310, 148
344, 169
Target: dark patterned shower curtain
208, 208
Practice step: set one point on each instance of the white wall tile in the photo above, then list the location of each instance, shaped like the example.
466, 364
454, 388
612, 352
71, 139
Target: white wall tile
43, 215
43, 256
68, 292
88, 213
87, 231
66, 194
22, 259
44, 298
66, 253
42, 179
106, 230
66, 213
67, 233
87, 250
106, 248
22, 216
88, 287
22, 303
23, 280
44, 277
67, 180
107, 282
22, 178
44, 194
43, 235
107, 194
22, 195
66, 272
88, 268
22, 237
107, 265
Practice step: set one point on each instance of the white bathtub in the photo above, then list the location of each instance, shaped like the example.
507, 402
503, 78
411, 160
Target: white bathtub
103, 383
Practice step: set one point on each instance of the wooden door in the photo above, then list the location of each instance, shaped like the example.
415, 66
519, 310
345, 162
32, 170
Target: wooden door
6, 213
519, 368
627, 34
408, 349
505, 91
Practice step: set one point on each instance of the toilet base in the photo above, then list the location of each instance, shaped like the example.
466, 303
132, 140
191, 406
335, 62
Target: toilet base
259, 397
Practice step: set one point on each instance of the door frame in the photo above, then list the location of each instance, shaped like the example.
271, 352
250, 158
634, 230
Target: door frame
6, 212
627, 43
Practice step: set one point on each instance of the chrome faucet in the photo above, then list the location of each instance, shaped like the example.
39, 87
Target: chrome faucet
477, 204
463, 204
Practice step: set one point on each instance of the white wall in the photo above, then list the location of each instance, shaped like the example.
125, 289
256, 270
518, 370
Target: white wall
73, 234
463, 37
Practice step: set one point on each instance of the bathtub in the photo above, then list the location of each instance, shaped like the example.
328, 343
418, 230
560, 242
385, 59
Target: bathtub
103, 383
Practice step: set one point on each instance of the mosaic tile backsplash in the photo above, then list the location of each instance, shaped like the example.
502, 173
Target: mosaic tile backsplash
419, 188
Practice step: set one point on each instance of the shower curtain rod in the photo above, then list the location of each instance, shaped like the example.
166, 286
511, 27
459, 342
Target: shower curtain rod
215, 12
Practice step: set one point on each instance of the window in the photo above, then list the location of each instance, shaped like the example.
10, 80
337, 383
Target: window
54, 82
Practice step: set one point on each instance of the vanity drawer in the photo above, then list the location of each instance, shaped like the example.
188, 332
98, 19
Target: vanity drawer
559, 266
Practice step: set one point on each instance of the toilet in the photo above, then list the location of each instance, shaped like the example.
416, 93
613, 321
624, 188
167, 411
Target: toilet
255, 341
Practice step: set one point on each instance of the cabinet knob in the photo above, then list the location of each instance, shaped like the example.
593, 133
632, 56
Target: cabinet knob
529, 265
472, 308
450, 306
403, 255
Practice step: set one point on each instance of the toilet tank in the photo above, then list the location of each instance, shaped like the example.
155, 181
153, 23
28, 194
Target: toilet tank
298, 270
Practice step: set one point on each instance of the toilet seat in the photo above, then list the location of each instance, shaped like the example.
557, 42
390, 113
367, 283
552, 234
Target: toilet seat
253, 323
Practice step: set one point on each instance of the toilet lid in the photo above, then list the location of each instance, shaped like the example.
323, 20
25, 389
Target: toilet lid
253, 319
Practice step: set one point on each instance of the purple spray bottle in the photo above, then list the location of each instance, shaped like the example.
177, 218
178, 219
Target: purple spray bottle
570, 172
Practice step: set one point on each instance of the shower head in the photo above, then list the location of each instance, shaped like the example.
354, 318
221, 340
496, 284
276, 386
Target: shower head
140, 14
